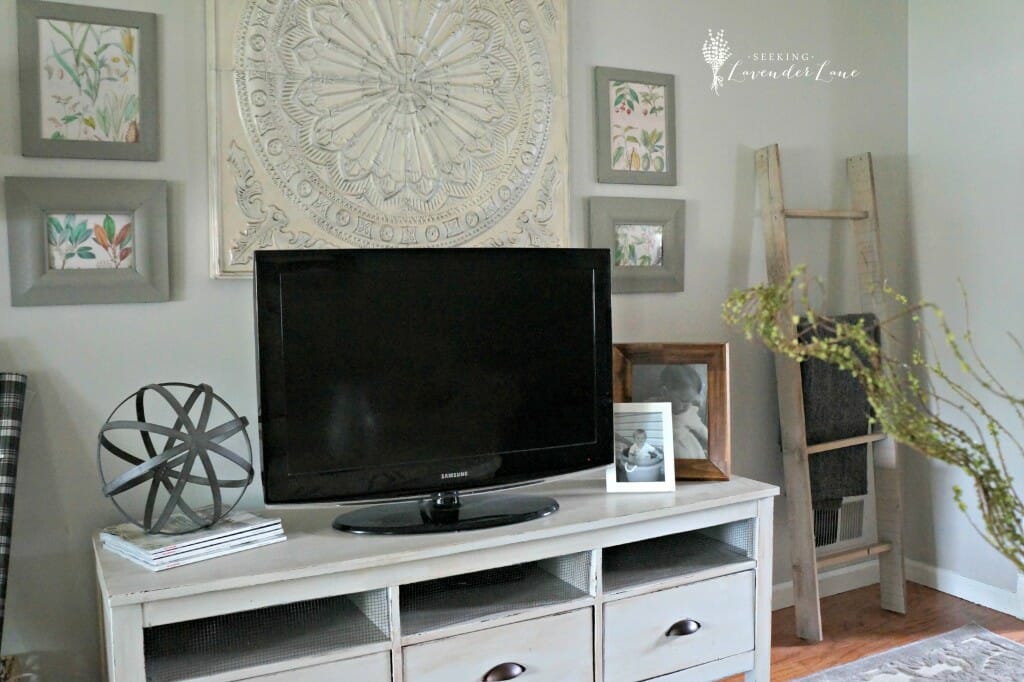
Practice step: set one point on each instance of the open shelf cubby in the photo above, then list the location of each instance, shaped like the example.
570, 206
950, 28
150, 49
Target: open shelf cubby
434, 604
323, 627
718, 549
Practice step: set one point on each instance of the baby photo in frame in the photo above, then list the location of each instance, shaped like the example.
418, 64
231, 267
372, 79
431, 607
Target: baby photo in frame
644, 460
694, 379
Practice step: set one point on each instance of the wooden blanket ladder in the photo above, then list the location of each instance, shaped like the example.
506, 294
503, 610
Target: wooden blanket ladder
795, 449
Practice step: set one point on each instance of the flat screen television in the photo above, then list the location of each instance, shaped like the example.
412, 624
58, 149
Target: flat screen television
412, 376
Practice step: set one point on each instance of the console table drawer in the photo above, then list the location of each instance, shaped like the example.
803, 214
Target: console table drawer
637, 644
372, 668
556, 648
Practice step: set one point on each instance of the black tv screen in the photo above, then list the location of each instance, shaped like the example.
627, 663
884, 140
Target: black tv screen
387, 374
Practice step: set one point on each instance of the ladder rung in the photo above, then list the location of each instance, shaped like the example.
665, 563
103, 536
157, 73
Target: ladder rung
854, 554
828, 214
845, 443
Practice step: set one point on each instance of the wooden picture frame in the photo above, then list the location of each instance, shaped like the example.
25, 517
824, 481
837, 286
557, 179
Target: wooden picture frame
644, 460
90, 90
87, 240
640, 372
636, 126
617, 222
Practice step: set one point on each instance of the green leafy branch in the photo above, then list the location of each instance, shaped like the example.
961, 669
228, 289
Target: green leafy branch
622, 136
909, 398
88, 69
653, 99
651, 141
626, 98
68, 238
627, 254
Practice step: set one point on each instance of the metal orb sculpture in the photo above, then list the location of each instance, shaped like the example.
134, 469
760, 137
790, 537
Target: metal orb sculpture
185, 464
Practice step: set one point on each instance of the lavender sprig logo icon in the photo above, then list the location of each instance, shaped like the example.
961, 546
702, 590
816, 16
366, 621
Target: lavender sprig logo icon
716, 51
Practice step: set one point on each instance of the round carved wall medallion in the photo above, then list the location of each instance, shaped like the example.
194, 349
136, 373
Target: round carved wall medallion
388, 124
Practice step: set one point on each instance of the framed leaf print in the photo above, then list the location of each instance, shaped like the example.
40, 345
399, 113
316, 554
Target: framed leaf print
88, 82
87, 240
636, 141
645, 237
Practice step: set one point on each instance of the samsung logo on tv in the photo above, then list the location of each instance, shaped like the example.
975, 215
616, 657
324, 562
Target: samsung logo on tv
455, 474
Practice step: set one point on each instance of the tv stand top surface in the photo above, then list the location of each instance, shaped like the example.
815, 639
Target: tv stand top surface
315, 549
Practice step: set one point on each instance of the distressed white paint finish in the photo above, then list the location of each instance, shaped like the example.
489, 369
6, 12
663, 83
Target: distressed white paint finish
375, 668
320, 562
553, 649
763, 592
638, 648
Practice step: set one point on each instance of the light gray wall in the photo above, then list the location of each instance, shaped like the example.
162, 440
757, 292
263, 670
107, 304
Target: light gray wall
817, 125
966, 146
82, 360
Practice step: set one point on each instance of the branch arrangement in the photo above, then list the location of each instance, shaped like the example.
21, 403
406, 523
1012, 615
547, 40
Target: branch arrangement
909, 398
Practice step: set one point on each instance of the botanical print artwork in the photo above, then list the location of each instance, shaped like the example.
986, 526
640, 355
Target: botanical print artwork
639, 246
89, 81
637, 126
90, 241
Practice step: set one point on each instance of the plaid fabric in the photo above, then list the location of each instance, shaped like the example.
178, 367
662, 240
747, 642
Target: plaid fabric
12, 405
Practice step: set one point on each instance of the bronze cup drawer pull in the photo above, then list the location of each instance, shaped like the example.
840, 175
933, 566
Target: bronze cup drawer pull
504, 671
687, 626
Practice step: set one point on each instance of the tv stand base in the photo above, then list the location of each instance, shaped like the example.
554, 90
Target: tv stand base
446, 512
613, 588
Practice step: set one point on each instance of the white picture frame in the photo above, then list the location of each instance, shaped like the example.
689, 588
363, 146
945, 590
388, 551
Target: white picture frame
644, 460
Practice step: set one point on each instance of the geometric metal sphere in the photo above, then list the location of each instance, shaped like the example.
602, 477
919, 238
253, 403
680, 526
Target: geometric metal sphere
184, 467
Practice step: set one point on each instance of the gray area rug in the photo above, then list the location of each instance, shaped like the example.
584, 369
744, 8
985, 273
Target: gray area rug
969, 654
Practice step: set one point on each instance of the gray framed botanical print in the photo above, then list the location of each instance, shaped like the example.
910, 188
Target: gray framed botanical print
88, 82
646, 240
87, 240
636, 123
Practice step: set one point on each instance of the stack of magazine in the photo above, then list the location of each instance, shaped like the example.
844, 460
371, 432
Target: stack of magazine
238, 531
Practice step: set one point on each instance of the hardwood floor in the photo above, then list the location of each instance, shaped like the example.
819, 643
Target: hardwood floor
855, 627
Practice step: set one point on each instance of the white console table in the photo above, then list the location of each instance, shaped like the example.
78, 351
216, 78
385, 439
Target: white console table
611, 588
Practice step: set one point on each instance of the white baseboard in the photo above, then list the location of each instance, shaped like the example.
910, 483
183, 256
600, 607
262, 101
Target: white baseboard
970, 590
846, 578
833, 581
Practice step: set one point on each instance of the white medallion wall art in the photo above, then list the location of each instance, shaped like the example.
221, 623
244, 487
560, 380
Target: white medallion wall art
377, 123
